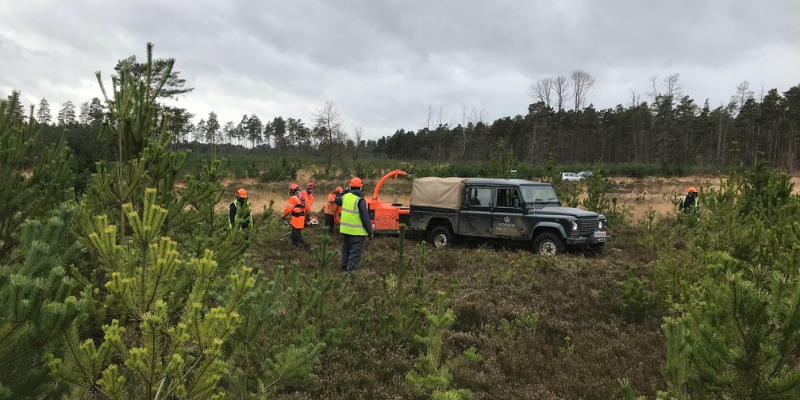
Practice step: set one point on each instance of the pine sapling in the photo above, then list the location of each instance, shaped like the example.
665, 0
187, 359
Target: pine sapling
407, 290
431, 375
167, 337
37, 305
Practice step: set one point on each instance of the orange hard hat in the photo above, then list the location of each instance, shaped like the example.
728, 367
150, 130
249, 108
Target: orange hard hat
355, 182
692, 190
242, 193
293, 186
311, 186
339, 190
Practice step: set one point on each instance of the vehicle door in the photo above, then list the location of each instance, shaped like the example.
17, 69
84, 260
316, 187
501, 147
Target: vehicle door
475, 218
507, 214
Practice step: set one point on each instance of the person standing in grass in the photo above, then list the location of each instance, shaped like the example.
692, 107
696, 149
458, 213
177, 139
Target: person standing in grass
239, 212
331, 209
296, 208
689, 203
355, 226
309, 197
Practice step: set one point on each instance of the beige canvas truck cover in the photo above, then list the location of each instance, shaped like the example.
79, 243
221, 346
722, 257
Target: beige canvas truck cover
447, 193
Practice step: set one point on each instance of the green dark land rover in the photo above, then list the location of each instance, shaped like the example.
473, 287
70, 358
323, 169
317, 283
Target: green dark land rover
491, 210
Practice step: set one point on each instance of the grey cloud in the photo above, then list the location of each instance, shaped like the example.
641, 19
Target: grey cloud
383, 62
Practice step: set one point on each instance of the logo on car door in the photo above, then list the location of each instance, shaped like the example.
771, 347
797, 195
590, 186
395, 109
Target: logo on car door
506, 226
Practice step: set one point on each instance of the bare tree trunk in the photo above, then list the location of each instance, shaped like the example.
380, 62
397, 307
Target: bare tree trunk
542, 90
561, 88
359, 133
430, 116
330, 120
581, 83
719, 140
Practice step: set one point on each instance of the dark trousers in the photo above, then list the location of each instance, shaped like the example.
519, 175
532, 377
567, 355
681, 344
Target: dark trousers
298, 239
352, 246
329, 223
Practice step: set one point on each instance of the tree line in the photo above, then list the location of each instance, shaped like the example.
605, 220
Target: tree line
669, 127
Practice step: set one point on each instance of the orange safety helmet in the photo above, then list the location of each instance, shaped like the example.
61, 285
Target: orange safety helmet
293, 187
692, 190
310, 186
242, 193
355, 182
339, 190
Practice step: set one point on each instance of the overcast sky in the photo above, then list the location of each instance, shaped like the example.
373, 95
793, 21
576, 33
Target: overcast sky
383, 63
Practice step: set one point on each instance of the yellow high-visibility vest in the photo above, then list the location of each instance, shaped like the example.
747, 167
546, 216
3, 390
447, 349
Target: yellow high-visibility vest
351, 219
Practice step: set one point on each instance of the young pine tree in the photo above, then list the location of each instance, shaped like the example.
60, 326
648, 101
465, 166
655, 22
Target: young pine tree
167, 337
431, 376
144, 159
735, 331
154, 332
37, 304
407, 291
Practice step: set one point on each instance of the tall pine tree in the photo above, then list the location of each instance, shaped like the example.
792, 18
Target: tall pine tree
43, 115
67, 114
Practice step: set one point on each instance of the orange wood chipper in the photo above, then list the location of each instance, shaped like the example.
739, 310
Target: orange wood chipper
386, 217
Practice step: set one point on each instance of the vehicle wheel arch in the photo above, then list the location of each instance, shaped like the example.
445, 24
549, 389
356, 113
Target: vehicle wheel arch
544, 226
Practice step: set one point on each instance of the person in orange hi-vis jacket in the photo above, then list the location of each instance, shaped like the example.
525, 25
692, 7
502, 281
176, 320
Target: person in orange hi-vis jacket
296, 208
309, 197
331, 209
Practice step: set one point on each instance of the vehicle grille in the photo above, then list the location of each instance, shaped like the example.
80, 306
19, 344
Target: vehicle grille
588, 225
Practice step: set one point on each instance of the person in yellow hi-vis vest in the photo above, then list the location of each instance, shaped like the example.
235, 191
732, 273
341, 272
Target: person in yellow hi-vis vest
355, 226
240, 211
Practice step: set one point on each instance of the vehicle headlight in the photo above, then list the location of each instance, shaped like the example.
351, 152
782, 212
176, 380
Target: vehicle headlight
600, 225
574, 226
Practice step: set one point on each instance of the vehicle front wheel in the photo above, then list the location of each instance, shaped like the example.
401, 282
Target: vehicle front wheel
548, 244
441, 237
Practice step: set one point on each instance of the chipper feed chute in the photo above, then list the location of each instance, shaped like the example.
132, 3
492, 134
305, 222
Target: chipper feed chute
386, 218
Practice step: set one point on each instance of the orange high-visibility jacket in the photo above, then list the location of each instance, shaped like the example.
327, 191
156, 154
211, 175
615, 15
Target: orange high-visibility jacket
330, 207
296, 207
309, 202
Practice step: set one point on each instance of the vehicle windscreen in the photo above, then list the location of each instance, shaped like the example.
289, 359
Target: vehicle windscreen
538, 194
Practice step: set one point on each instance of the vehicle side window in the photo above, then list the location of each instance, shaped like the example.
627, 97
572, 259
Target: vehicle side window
508, 197
479, 197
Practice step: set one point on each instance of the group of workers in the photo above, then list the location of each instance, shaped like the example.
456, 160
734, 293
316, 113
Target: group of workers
345, 207
348, 209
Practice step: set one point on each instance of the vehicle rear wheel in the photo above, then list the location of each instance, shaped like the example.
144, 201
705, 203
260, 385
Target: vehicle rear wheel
548, 244
441, 237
